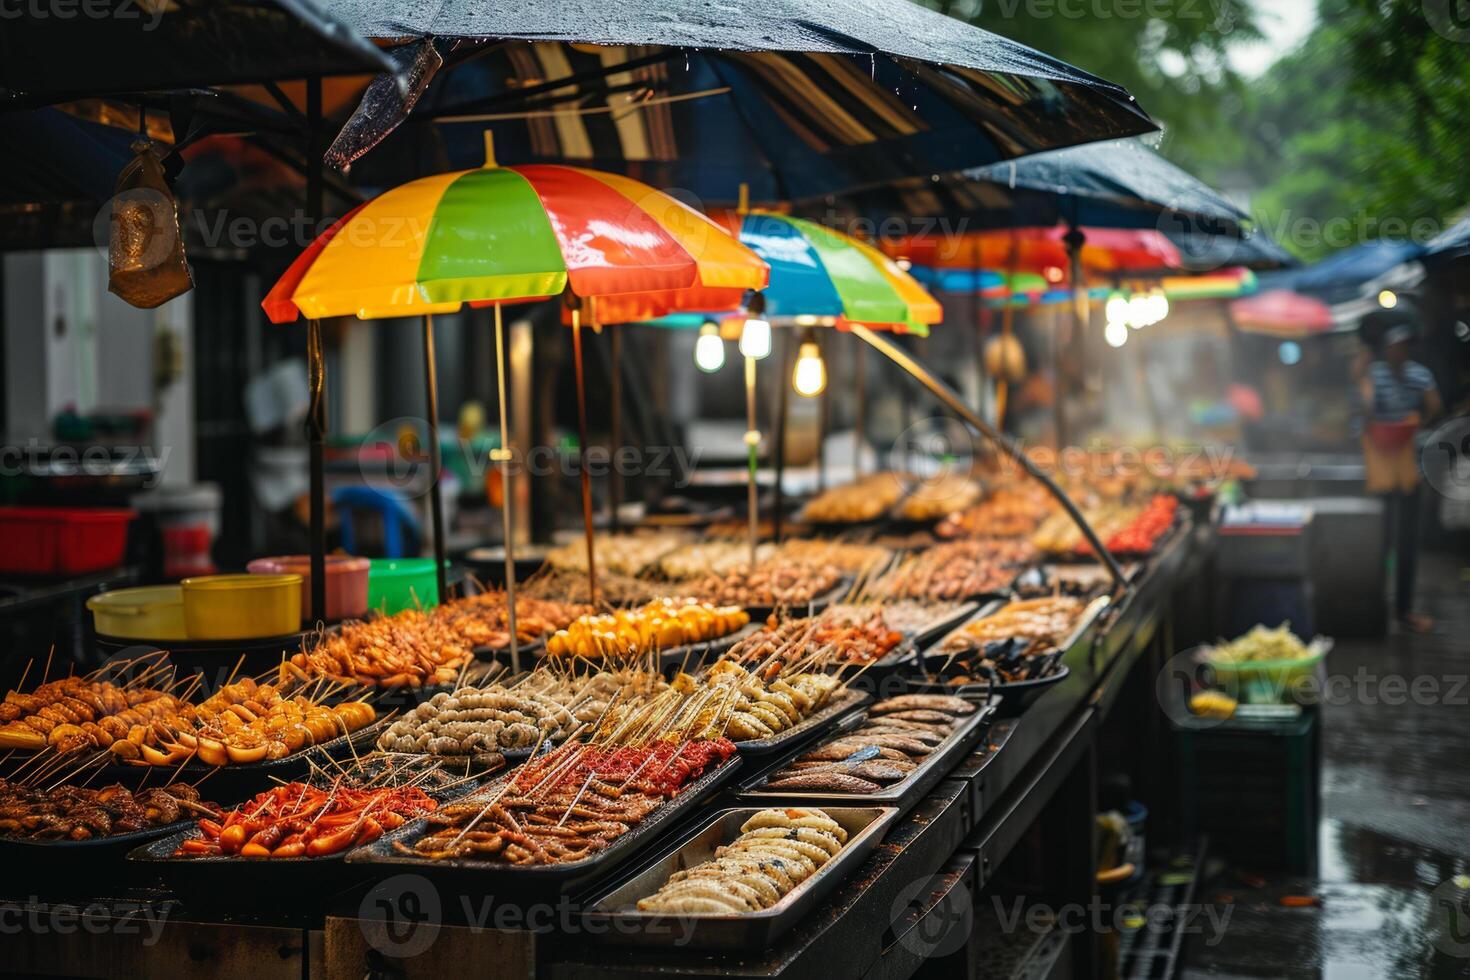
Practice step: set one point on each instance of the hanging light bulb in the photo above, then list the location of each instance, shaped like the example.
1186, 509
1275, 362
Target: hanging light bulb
809, 377
755, 339
1138, 312
1116, 333
709, 349
1116, 308
1158, 305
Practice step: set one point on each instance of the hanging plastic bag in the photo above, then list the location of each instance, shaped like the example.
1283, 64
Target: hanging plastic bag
145, 249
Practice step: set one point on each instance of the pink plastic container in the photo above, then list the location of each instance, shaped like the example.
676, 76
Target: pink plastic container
347, 583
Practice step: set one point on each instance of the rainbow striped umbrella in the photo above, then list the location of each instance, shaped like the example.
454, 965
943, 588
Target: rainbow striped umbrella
503, 234
816, 271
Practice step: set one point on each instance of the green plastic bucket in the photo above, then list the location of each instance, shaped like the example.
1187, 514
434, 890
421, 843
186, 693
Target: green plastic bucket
395, 584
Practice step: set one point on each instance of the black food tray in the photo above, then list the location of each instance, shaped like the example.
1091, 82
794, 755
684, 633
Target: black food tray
903, 794
236, 883
759, 614
614, 916
514, 882
54, 866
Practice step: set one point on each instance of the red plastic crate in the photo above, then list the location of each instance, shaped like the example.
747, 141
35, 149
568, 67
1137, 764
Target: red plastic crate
61, 540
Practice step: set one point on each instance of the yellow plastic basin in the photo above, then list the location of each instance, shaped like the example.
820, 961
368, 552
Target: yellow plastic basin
241, 607
152, 612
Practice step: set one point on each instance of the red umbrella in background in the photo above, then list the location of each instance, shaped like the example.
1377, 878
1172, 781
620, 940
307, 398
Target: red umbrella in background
1282, 313
1042, 251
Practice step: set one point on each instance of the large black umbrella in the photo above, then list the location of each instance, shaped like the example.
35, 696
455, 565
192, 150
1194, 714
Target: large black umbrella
110, 47
794, 98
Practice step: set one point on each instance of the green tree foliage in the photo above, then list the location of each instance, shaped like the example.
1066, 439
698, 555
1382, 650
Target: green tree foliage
1363, 132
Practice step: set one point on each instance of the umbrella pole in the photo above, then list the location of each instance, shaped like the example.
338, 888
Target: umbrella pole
752, 444
436, 502
782, 400
317, 366
1075, 239
503, 454
859, 420
957, 404
615, 424
316, 427
582, 453
824, 422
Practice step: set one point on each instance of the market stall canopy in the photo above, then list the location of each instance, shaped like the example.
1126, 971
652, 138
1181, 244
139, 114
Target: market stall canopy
121, 46
1453, 243
797, 98
1119, 184
1341, 277
1112, 184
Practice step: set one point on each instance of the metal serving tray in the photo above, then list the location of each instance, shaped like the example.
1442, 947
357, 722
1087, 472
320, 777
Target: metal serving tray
234, 882
517, 882
54, 866
846, 702
614, 915
902, 794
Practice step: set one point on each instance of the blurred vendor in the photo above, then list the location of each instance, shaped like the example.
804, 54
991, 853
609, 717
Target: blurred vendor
1398, 397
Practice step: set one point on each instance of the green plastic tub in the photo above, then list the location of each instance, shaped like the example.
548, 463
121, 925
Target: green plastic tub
395, 584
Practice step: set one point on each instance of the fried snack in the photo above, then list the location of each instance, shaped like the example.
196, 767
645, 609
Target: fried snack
408, 649
697, 559
483, 620
955, 570
1004, 513
620, 554
660, 625
865, 500
300, 820
71, 813
848, 558
851, 634
241, 723
776, 851
476, 721
760, 706
774, 583
569, 804
74, 714
938, 498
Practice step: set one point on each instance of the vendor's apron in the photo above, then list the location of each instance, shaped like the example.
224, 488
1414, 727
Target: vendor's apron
1390, 463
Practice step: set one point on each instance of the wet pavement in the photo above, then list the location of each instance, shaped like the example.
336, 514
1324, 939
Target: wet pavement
1395, 828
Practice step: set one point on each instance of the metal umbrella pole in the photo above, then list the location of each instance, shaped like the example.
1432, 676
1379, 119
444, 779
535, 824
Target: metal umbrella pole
582, 451
752, 449
615, 427
316, 425
436, 502
1074, 240
951, 398
782, 402
503, 456
859, 420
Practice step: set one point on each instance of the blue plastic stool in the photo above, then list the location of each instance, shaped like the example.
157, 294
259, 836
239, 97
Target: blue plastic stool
402, 531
